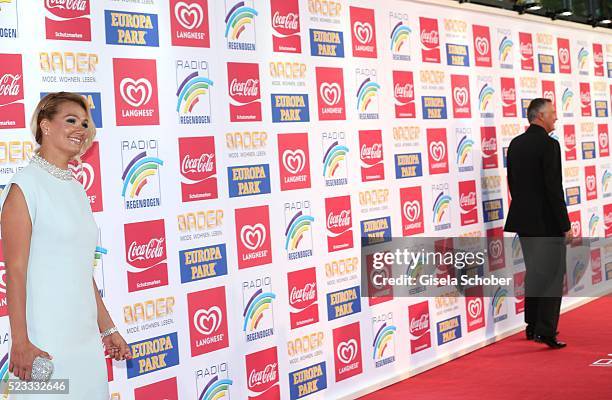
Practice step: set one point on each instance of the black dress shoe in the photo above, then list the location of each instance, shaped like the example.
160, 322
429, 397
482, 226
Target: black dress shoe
551, 341
529, 333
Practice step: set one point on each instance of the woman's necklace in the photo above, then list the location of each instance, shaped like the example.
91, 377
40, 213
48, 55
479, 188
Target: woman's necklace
59, 173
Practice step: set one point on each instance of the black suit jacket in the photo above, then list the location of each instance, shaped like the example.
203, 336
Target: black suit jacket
534, 179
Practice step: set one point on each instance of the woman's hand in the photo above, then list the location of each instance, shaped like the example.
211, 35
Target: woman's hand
22, 358
116, 347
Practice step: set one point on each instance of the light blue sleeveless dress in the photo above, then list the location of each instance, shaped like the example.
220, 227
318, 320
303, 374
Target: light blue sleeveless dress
61, 310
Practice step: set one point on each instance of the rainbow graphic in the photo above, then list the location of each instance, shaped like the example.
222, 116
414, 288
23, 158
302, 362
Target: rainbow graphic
4, 375
441, 205
383, 339
605, 180
189, 92
463, 149
98, 255
216, 389
505, 48
334, 156
237, 20
418, 269
485, 96
517, 251
566, 99
498, 300
255, 308
137, 172
368, 91
593, 224
578, 273
399, 36
583, 54
298, 226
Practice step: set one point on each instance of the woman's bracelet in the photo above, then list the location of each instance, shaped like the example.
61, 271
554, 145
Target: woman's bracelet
108, 332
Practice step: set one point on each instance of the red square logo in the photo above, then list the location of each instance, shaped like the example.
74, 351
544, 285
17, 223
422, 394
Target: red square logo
286, 26
330, 94
569, 135
519, 292
347, 351
437, 151
482, 45
508, 97
207, 320
576, 224
603, 139
189, 23
262, 375
590, 181
135, 92
198, 168
244, 91
411, 205
565, 58
595, 266
403, 92
585, 99
467, 202
598, 60
253, 236
12, 112
88, 174
495, 248
430, 40
548, 91
293, 161
303, 306
419, 327
371, 155
607, 210
339, 223
488, 142
161, 390
474, 308
526, 47
363, 32
145, 253
3, 306
460, 85
68, 20
382, 292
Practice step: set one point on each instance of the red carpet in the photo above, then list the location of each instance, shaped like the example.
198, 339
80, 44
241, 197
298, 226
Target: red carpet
515, 368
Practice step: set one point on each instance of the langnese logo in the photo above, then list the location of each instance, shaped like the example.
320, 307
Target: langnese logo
293, 161
437, 151
403, 94
465, 145
383, 344
548, 91
240, 16
165, 389
141, 181
371, 156
347, 351
367, 93
603, 139
12, 111
153, 354
258, 308
68, 20
303, 296
298, 229
441, 209
363, 32
411, 209
145, 254
482, 46
9, 25
565, 58
193, 86
330, 94
508, 97
401, 36
189, 24
285, 26
430, 40
526, 48
590, 180
203, 263
262, 374
87, 173
244, 91
198, 168
207, 320
136, 100
474, 308
253, 236
460, 86
468, 203
213, 382
335, 158
339, 223
131, 29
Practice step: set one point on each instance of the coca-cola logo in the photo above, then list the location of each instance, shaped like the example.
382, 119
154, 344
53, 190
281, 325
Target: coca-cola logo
467, 201
461, 96
265, 376
347, 351
363, 32
509, 95
135, 92
205, 163
598, 57
404, 91
419, 325
437, 150
411, 210
570, 140
527, 49
9, 84
330, 93
75, 5
489, 145
207, 321
340, 220
474, 307
83, 173
575, 228
608, 219
564, 55
152, 250
590, 183
495, 248
585, 98
190, 16
305, 294
373, 152
430, 38
482, 45
294, 160
253, 236
248, 88
288, 22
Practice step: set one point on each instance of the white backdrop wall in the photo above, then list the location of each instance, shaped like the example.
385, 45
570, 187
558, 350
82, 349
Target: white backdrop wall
241, 146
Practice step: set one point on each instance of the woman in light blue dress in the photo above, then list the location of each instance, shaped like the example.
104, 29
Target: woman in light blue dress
49, 237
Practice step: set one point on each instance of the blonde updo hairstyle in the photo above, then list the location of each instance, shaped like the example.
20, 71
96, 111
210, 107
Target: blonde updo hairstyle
48, 107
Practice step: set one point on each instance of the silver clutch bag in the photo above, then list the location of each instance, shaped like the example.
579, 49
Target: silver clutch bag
42, 369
